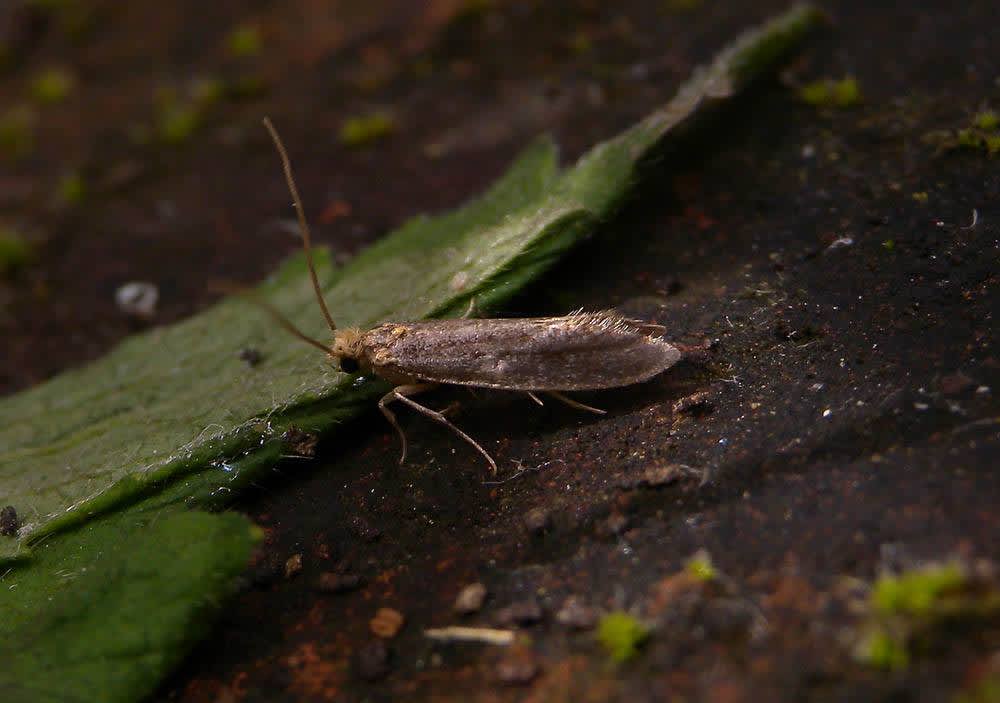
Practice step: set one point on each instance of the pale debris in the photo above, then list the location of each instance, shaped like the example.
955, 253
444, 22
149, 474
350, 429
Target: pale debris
457, 633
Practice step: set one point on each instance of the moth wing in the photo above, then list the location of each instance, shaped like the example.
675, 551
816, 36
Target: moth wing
583, 351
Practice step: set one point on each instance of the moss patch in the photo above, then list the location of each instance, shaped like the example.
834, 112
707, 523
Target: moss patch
917, 592
71, 189
15, 252
244, 41
987, 690
881, 650
909, 611
357, 131
829, 92
700, 566
987, 120
621, 635
981, 134
177, 123
52, 85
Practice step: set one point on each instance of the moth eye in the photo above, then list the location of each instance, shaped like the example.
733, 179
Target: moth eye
349, 365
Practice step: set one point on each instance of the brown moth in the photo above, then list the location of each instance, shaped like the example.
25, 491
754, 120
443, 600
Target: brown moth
577, 352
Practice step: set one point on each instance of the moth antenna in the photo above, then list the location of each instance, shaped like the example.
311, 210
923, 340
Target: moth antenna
286, 165
278, 316
288, 325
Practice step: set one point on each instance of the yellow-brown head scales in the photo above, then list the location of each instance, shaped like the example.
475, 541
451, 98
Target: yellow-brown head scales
347, 347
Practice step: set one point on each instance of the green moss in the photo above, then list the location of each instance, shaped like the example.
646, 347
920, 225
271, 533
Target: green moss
980, 135
621, 635
969, 138
178, 122
910, 612
207, 91
882, 651
815, 93
846, 92
917, 592
985, 691
357, 131
580, 42
17, 132
700, 566
53, 85
828, 92
181, 112
71, 189
244, 41
15, 252
987, 120
992, 143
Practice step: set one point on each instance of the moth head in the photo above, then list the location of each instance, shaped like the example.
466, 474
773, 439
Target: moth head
346, 349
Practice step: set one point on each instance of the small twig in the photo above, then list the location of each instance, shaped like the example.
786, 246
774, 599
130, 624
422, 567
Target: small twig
457, 633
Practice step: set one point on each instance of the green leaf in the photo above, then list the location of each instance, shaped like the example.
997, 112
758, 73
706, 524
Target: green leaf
106, 611
177, 400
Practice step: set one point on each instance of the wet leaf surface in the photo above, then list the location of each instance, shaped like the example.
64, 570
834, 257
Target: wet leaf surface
104, 612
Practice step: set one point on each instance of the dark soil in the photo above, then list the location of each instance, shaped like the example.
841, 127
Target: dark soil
841, 420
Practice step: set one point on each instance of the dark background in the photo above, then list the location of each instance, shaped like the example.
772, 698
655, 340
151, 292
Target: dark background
844, 420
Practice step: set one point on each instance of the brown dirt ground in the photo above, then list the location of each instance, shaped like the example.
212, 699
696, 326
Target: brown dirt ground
843, 420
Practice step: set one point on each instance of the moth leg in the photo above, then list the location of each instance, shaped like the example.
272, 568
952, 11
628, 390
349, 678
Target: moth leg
451, 408
576, 404
392, 395
401, 394
471, 310
535, 398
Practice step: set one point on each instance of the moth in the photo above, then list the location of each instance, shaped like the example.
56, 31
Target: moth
577, 352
